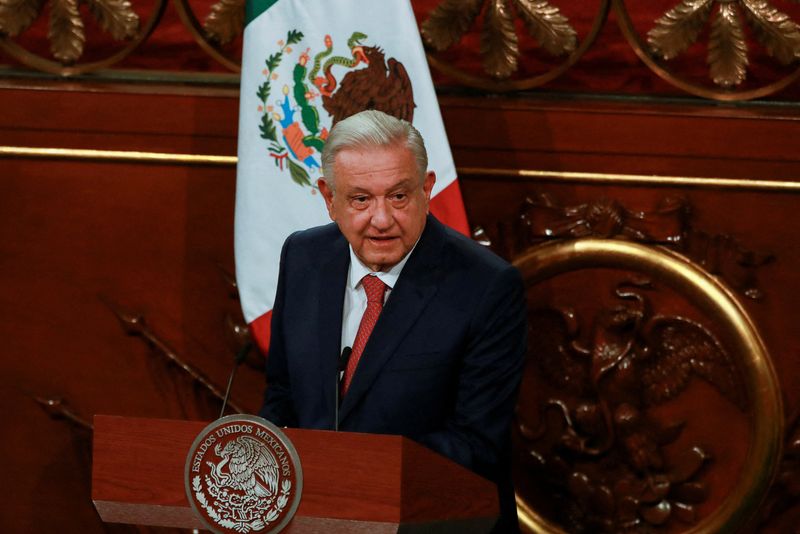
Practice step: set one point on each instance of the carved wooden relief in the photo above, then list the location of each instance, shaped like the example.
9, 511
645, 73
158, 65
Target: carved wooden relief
781, 510
542, 218
649, 402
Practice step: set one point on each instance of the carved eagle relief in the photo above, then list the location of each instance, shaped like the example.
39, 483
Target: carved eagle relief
597, 439
676, 351
633, 354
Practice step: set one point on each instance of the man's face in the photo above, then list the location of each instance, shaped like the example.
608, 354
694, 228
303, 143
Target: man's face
379, 203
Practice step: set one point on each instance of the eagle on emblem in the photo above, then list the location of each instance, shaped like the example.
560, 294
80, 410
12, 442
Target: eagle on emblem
251, 467
382, 85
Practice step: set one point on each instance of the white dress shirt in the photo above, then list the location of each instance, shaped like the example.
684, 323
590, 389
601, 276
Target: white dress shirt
355, 298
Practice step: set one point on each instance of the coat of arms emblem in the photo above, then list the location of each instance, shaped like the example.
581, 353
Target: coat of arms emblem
358, 78
243, 475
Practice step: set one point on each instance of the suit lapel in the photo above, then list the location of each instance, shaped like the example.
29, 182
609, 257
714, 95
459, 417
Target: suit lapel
333, 279
417, 284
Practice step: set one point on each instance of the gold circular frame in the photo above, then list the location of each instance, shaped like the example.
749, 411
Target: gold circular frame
40, 63
626, 25
739, 334
527, 83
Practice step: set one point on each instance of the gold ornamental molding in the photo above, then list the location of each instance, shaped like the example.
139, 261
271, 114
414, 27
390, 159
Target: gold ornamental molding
116, 156
132, 156
633, 179
765, 413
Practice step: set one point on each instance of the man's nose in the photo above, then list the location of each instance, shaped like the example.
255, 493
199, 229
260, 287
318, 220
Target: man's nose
381, 214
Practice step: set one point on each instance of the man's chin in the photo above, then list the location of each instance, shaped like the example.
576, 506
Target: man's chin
381, 260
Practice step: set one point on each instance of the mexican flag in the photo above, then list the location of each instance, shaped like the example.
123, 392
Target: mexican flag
307, 64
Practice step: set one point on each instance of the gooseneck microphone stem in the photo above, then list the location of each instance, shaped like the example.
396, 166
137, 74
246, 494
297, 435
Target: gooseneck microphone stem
240, 356
344, 357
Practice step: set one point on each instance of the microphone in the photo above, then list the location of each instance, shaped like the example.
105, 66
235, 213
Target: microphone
344, 357
237, 360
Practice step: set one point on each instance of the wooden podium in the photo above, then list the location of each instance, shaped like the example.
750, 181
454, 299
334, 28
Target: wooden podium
351, 482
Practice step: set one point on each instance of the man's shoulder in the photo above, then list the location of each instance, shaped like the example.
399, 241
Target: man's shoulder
314, 243
325, 235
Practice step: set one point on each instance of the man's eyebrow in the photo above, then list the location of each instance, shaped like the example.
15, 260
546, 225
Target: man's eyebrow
405, 183
402, 183
357, 191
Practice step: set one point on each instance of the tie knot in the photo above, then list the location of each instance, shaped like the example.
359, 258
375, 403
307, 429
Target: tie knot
374, 288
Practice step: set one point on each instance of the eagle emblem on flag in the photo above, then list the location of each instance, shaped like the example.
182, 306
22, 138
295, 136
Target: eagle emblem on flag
359, 78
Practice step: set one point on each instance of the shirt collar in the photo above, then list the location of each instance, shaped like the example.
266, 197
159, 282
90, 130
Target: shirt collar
358, 270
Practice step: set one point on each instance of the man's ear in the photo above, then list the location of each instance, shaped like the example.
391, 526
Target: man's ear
327, 194
427, 185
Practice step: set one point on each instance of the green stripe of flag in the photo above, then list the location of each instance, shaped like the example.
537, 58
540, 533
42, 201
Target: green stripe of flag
253, 8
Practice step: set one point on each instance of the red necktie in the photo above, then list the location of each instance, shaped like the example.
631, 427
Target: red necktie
375, 290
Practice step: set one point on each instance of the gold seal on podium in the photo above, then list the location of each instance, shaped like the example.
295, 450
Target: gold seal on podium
243, 475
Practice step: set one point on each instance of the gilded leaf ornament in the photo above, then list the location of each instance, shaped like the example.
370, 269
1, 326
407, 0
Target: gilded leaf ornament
17, 15
774, 30
225, 21
548, 26
499, 46
727, 49
451, 19
681, 26
66, 30
115, 17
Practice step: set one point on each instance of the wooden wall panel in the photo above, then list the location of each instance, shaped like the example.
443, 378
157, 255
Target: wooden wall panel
584, 135
151, 237
154, 118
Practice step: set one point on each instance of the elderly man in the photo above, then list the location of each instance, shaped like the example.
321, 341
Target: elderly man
436, 322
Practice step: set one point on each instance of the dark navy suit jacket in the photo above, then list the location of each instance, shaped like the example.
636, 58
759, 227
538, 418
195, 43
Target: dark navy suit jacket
443, 363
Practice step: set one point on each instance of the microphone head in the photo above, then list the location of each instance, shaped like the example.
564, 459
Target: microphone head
344, 358
243, 352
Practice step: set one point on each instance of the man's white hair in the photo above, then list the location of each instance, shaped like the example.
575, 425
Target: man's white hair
372, 128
